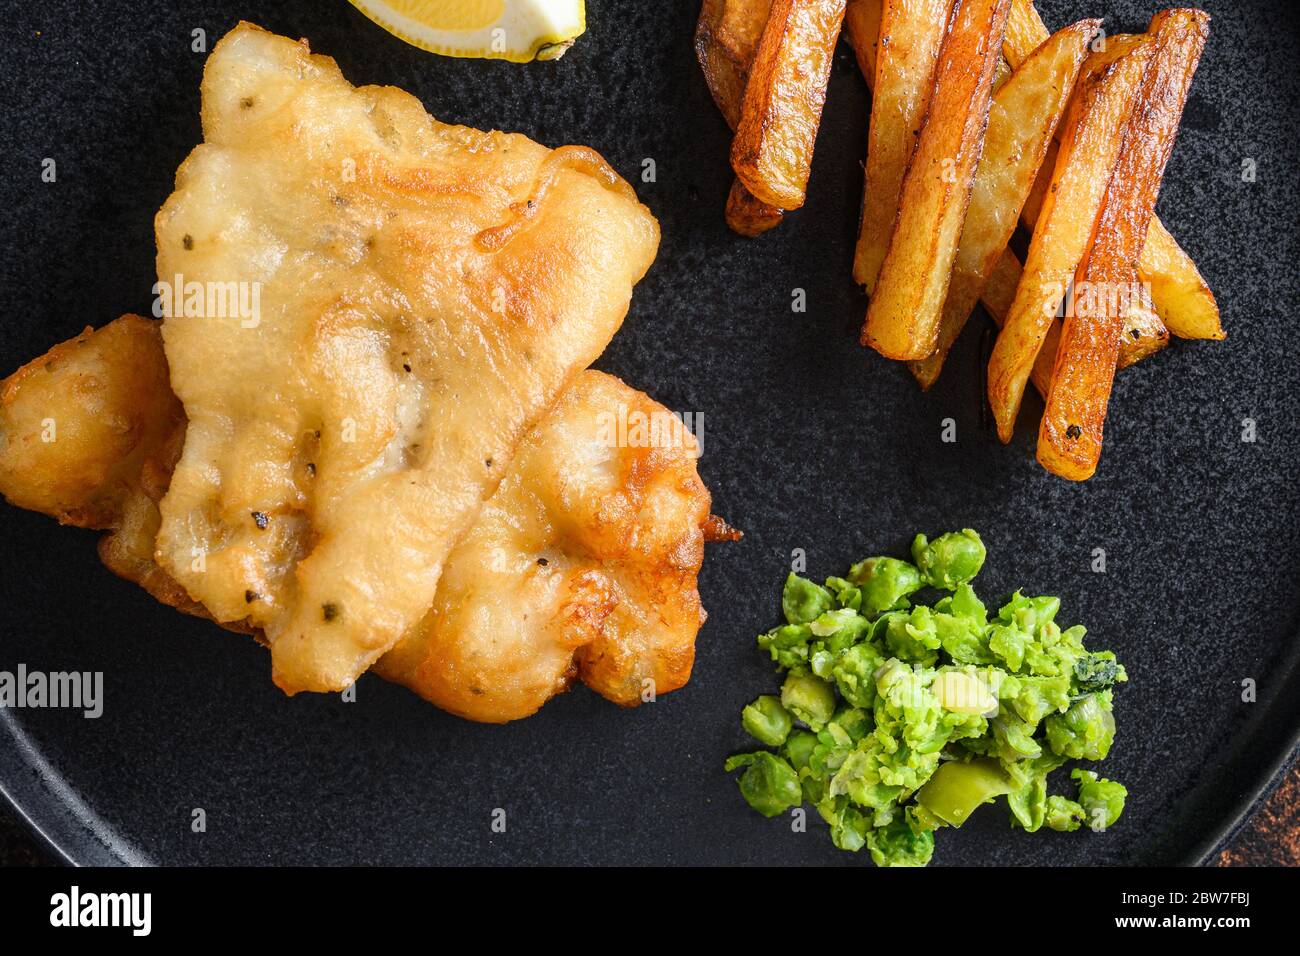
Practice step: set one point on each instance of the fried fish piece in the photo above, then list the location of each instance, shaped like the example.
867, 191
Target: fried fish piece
89, 433
413, 296
582, 565
74, 427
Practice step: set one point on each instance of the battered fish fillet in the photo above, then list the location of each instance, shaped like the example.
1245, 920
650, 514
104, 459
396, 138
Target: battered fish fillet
582, 565
423, 294
89, 433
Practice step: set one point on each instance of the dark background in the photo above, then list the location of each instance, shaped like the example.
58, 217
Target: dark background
810, 442
1271, 838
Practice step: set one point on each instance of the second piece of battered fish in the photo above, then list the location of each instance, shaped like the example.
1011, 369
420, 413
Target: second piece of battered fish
582, 565
411, 298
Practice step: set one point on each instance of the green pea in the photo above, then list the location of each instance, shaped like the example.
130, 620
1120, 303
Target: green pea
1085, 731
1064, 815
769, 784
950, 559
957, 789
767, 721
885, 583
809, 698
803, 601
1102, 800
799, 747
897, 844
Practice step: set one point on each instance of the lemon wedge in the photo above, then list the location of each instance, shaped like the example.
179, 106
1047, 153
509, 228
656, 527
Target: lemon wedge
516, 30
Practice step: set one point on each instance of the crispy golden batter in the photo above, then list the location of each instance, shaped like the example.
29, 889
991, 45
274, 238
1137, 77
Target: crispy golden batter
426, 292
583, 564
89, 433
76, 422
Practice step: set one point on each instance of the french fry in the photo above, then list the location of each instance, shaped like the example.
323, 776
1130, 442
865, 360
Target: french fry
724, 72
862, 27
726, 39
773, 148
1023, 117
740, 27
910, 34
1181, 297
1024, 34
862, 24
999, 293
1102, 57
1070, 436
748, 215
1089, 149
903, 317
1000, 290
1144, 334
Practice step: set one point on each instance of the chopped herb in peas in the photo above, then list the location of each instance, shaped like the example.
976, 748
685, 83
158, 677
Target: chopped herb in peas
899, 716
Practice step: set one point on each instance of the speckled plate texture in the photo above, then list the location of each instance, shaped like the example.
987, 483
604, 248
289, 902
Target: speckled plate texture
810, 442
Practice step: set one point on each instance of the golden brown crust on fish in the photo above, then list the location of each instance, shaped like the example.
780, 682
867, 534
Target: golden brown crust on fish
425, 291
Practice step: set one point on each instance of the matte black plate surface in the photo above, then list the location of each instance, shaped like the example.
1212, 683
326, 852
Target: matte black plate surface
810, 442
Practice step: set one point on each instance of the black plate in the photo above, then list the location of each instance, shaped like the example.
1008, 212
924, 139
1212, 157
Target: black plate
810, 442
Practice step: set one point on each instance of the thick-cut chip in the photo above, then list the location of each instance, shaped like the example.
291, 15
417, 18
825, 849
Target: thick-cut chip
773, 149
862, 27
726, 39
907, 303
1089, 148
740, 28
999, 295
1144, 333
582, 566
862, 22
1022, 119
1180, 295
1000, 290
910, 34
722, 56
748, 215
1070, 437
412, 296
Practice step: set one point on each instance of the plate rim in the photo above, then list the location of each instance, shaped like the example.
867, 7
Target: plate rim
54, 824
